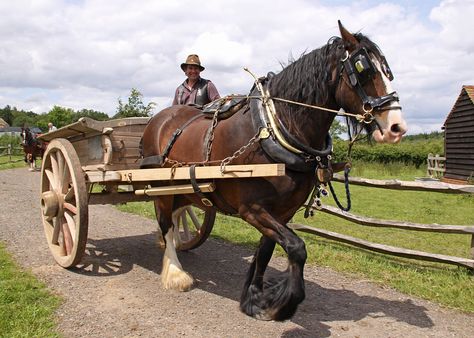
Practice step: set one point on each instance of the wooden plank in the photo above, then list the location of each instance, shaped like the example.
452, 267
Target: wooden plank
182, 173
97, 175
409, 185
437, 157
446, 178
465, 106
472, 246
175, 189
86, 126
468, 152
453, 229
385, 249
463, 129
117, 198
436, 169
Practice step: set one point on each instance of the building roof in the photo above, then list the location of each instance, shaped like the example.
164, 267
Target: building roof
3, 124
10, 130
469, 90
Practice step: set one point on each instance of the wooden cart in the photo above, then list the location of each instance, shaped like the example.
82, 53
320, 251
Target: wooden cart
97, 162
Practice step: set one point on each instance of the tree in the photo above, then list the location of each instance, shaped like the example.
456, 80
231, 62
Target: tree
59, 116
337, 129
134, 107
93, 114
21, 118
7, 115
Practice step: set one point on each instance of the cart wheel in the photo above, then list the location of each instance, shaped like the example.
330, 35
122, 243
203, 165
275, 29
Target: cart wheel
64, 208
194, 226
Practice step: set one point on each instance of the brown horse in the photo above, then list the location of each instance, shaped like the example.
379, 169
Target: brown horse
32, 147
350, 73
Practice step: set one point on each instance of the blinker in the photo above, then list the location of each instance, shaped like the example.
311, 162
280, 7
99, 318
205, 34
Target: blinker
363, 65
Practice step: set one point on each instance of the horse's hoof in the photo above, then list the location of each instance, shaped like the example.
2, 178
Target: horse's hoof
31, 169
177, 280
264, 315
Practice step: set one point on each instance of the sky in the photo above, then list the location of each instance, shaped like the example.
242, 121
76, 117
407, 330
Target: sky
86, 54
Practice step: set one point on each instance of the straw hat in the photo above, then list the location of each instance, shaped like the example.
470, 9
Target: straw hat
192, 59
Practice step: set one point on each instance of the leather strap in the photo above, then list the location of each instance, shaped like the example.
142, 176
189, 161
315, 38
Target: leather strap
204, 200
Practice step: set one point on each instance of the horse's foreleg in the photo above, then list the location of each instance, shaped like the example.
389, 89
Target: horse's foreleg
278, 299
172, 275
252, 301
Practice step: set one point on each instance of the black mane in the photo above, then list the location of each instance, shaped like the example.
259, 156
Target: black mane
308, 79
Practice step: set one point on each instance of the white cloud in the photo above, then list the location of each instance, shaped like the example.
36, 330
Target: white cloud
86, 54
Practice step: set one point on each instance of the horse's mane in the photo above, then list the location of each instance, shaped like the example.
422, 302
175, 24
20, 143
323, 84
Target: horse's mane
308, 79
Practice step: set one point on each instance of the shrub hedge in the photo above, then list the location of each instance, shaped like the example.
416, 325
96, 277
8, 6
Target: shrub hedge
410, 152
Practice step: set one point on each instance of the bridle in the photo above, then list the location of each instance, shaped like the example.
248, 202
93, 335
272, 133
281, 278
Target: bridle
360, 69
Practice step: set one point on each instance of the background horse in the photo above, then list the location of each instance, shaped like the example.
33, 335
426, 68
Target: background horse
32, 147
349, 72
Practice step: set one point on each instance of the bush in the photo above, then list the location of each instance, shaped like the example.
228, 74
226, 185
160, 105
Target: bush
410, 152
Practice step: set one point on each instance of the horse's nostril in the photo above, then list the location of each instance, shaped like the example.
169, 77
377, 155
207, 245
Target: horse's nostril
395, 128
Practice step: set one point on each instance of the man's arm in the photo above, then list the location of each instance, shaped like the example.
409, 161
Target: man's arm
212, 91
175, 100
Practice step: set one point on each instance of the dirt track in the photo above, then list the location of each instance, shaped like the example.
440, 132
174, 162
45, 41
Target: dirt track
117, 291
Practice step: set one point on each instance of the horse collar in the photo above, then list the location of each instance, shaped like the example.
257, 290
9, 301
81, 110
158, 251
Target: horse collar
305, 159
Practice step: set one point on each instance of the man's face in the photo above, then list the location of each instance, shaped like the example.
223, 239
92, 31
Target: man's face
192, 72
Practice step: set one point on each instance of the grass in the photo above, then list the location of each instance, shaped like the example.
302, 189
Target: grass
26, 306
16, 162
444, 284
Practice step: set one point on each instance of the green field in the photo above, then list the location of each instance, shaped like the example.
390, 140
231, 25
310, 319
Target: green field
447, 285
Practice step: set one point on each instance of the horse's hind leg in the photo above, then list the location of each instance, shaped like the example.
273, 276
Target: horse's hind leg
172, 275
277, 299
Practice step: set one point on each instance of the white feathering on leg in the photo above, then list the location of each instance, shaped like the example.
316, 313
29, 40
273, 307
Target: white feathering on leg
173, 276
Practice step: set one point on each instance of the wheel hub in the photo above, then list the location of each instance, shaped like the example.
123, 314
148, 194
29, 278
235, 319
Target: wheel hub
49, 203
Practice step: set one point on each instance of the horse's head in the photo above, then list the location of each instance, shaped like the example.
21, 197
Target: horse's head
27, 138
24, 136
364, 87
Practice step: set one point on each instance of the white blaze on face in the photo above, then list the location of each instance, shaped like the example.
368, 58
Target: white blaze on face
391, 121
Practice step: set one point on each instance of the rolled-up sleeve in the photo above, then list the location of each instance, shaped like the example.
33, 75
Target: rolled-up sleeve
212, 91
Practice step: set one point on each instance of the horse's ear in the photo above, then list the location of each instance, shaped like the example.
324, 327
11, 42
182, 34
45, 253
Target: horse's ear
349, 39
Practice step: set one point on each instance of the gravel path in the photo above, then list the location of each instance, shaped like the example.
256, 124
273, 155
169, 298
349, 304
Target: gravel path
117, 292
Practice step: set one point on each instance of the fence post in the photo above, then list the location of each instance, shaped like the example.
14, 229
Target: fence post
429, 172
9, 151
472, 246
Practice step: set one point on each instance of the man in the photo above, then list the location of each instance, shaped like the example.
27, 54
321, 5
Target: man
51, 127
195, 90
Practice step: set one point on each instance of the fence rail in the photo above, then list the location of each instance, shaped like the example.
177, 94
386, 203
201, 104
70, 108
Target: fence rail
386, 249
433, 186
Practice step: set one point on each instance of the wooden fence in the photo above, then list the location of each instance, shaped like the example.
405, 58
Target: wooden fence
386, 249
9, 150
436, 166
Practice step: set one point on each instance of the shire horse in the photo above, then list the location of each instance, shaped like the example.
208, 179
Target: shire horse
349, 72
32, 147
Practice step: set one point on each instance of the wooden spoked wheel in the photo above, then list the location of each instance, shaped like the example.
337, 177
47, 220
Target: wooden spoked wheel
194, 226
64, 207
